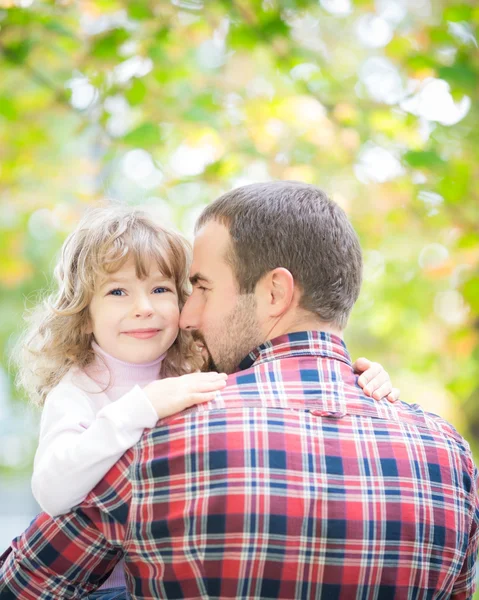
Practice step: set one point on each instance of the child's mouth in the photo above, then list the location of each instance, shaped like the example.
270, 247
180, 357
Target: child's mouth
142, 334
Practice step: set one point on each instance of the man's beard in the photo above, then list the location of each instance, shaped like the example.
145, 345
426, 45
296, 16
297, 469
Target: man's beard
233, 338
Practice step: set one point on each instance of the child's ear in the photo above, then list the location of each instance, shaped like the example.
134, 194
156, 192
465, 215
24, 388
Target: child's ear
88, 326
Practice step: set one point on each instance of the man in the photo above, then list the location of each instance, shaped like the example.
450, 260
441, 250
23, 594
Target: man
292, 483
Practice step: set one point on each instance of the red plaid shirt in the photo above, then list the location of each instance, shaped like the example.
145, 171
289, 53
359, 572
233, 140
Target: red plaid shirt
292, 484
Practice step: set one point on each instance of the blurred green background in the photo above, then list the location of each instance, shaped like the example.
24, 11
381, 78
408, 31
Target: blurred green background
166, 105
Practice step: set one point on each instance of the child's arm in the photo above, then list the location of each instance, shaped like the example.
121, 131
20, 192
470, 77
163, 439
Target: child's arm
78, 447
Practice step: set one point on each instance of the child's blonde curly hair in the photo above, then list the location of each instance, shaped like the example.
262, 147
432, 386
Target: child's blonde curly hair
57, 339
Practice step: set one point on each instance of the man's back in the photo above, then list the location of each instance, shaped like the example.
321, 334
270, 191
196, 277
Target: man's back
295, 485
292, 484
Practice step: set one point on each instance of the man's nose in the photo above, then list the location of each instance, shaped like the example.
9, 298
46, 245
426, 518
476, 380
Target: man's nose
188, 316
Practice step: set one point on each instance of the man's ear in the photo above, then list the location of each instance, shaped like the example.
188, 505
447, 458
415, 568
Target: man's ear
278, 291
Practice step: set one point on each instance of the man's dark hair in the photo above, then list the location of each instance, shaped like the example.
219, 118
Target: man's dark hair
295, 226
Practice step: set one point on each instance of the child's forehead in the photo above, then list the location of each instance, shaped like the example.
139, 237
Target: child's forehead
129, 271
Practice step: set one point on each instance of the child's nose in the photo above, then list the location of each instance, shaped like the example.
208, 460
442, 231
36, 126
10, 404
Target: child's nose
143, 308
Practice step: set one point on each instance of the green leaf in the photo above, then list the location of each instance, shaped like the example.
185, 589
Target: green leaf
56, 26
471, 293
461, 75
139, 10
7, 108
458, 12
137, 92
439, 35
399, 47
19, 16
454, 187
18, 52
221, 169
205, 109
144, 136
243, 36
469, 240
157, 54
418, 62
106, 47
274, 26
420, 159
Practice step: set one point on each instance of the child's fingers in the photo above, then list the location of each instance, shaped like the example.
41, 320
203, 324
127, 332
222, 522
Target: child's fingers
380, 382
382, 391
202, 377
361, 365
203, 382
166, 410
394, 395
208, 386
199, 398
370, 374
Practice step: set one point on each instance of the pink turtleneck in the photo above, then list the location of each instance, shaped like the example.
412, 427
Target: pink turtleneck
89, 420
121, 376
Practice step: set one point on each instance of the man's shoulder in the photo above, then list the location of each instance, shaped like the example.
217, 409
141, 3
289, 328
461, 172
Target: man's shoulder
259, 380
305, 384
432, 421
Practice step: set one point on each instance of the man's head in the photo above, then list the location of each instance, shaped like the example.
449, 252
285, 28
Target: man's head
269, 259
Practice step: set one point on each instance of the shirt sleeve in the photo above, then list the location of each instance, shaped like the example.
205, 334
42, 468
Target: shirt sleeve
70, 556
78, 447
465, 585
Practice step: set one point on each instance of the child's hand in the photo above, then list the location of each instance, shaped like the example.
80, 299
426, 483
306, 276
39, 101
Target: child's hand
174, 394
375, 380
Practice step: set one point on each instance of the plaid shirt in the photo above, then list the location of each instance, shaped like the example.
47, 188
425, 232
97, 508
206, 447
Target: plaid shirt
291, 484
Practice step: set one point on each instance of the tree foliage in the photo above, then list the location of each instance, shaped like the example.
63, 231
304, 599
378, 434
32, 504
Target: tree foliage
167, 105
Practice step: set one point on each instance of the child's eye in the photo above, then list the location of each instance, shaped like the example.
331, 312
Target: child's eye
116, 292
161, 290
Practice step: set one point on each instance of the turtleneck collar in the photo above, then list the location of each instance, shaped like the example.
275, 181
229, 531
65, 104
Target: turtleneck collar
121, 376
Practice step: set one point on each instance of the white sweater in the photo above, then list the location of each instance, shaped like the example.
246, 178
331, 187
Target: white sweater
84, 430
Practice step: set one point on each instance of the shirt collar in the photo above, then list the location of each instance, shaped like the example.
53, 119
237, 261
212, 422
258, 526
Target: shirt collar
299, 343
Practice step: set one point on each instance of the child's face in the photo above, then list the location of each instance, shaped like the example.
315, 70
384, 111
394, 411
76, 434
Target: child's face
135, 320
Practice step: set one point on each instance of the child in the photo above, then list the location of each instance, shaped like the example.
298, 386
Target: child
105, 356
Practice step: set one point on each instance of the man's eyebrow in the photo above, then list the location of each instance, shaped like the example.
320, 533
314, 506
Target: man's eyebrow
197, 277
